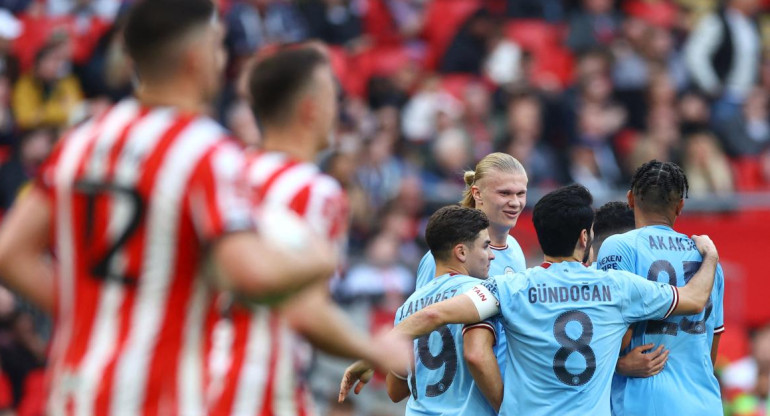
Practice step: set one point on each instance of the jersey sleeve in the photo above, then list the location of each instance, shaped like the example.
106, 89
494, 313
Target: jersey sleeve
485, 298
615, 254
644, 300
488, 324
325, 207
718, 301
217, 197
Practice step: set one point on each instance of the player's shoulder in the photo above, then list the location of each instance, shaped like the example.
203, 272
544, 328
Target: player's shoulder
625, 239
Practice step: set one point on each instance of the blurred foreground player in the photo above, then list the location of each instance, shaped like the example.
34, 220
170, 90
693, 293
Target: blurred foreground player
654, 250
133, 204
446, 361
564, 322
294, 100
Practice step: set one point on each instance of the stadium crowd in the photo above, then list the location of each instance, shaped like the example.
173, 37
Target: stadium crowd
577, 90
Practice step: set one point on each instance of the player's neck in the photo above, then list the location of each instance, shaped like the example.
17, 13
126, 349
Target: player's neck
449, 268
576, 256
171, 94
294, 143
646, 220
498, 237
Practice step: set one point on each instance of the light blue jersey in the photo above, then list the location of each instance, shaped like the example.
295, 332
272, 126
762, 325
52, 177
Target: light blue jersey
564, 324
687, 385
440, 382
508, 259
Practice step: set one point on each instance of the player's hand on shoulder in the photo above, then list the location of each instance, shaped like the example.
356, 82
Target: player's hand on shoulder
642, 361
705, 246
357, 374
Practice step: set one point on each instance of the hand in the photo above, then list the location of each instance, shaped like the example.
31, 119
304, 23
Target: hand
359, 373
705, 246
641, 363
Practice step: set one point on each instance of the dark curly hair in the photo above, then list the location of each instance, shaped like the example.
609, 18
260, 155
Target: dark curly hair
657, 186
452, 225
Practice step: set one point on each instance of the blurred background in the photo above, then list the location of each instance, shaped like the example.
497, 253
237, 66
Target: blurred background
578, 90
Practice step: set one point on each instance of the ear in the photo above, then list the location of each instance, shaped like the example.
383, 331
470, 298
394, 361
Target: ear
679, 208
460, 252
307, 110
476, 194
583, 240
630, 198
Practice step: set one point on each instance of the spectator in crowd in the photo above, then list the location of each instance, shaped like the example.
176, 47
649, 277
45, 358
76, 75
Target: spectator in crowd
694, 112
470, 46
254, 24
33, 149
380, 275
108, 74
748, 379
706, 166
7, 126
22, 350
408, 15
451, 154
10, 30
422, 114
336, 22
48, 95
549, 10
596, 24
723, 55
748, 132
523, 139
476, 121
105, 9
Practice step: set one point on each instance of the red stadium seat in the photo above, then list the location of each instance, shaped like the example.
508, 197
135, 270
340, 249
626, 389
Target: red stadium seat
456, 84
553, 65
748, 174
533, 34
39, 29
657, 13
376, 61
379, 24
443, 19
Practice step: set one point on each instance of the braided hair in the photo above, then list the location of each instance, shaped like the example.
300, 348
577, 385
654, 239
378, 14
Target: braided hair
657, 185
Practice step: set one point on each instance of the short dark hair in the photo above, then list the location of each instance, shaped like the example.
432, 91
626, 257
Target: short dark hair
610, 219
452, 225
276, 81
559, 218
657, 186
152, 25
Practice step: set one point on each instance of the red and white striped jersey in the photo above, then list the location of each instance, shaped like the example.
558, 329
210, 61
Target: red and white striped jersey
265, 360
136, 194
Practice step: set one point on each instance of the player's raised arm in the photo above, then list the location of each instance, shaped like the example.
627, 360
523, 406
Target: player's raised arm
695, 294
24, 242
253, 266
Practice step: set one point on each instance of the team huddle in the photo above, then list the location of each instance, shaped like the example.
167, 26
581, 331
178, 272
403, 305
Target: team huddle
150, 237
547, 340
